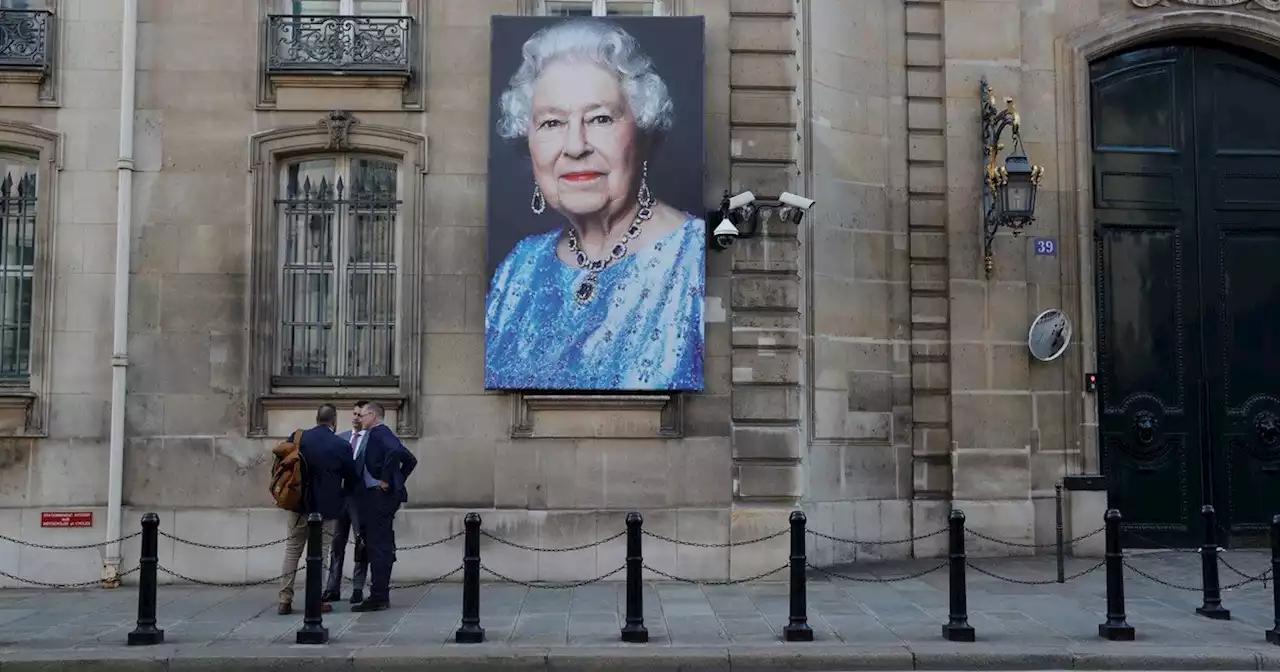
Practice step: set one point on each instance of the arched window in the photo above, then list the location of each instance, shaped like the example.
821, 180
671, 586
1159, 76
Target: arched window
339, 219
19, 217
334, 287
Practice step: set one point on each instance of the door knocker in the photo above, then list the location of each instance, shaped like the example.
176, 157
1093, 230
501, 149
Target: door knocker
1268, 428
1144, 424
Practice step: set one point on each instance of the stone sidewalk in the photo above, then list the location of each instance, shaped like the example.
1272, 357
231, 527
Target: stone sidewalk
872, 624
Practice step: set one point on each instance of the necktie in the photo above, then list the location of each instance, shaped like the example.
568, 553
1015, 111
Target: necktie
355, 441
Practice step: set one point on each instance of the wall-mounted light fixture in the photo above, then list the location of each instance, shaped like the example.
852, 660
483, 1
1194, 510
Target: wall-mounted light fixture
740, 216
1008, 191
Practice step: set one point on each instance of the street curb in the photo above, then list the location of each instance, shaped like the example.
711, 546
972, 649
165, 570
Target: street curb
644, 658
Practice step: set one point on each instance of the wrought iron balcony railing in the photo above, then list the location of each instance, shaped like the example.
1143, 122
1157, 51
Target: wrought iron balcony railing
25, 39
339, 44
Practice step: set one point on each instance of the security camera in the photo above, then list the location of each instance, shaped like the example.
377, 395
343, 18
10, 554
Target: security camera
725, 233
745, 198
794, 201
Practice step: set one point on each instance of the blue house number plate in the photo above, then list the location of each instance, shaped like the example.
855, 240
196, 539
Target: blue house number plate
1046, 247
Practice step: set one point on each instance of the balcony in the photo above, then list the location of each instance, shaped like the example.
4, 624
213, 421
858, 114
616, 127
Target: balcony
363, 46
26, 45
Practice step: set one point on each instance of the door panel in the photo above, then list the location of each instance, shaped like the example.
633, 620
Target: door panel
1148, 336
1238, 162
1187, 238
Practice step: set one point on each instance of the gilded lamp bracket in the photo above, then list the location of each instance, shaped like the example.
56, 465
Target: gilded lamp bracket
1008, 190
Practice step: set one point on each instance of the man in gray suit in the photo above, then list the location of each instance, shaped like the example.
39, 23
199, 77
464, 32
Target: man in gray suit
348, 527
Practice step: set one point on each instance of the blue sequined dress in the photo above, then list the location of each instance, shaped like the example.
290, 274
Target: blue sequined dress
642, 330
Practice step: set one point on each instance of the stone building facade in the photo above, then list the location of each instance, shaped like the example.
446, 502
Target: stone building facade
861, 365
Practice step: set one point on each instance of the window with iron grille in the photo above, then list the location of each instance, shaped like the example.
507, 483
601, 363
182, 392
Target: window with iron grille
18, 217
600, 7
369, 36
339, 218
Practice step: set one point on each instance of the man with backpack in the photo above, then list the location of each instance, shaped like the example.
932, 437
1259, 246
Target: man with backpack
312, 473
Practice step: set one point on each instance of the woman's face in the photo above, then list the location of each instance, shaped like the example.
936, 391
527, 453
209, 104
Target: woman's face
582, 140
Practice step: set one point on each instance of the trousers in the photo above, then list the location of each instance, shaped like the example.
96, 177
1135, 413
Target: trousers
293, 547
377, 514
348, 526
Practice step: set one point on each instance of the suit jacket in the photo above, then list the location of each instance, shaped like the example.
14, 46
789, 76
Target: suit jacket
331, 472
388, 460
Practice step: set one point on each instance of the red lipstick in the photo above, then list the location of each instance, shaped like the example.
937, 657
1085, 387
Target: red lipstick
580, 176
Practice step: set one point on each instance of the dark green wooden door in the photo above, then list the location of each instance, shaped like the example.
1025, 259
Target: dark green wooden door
1186, 188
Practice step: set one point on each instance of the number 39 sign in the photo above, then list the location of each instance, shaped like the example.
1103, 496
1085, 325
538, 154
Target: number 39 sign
1046, 247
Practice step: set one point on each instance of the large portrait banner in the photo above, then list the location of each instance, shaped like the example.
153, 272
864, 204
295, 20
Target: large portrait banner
596, 257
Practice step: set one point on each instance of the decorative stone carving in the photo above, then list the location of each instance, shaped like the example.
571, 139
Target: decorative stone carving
1272, 5
339, 123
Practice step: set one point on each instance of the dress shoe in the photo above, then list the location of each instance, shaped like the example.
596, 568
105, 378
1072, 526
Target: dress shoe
371, 605
357, 596
325, 607
330, 596
285, 609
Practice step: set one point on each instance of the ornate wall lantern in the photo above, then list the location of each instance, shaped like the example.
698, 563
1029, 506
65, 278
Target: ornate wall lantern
1008, 191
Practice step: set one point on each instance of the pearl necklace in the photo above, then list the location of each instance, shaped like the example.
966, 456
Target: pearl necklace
585, 291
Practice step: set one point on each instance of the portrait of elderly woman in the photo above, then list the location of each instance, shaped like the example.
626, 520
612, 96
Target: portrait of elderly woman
598, 271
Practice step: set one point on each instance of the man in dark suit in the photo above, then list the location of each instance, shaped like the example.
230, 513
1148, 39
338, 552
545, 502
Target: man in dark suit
348, 527
386, 466
329, 472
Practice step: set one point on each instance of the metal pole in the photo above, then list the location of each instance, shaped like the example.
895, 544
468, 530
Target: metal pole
1060, 539
1116, 629
957, 628
147, 634
313, 630
634, 631
1212, 607
1273, 635
470, 631
798, 629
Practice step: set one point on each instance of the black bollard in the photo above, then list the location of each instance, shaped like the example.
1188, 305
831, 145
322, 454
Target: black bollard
313, 630
470, 631
798, 629
957, 628
1116, 628
1212, 607
634, 631
147, 634
1059, 538
1273, 635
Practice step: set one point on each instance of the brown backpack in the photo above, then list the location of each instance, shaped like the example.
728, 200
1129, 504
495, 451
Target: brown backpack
287, 474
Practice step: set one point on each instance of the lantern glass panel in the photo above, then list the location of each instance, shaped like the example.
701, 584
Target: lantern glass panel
1019, 197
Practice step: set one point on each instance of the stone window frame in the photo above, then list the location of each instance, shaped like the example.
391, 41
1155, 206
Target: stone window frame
269, 152
49, 80
1072, 55
414, 93
44, 146
662, 7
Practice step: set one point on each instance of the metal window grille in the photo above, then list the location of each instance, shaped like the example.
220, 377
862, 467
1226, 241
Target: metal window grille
339, 277
18, 209
24, 38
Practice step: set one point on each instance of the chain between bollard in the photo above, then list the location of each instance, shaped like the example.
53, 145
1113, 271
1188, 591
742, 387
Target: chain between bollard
731, 544
69, 547
1036, 582
537, 549
551, 586
62, 586
1051, 544
709, 582
885, 542
878, 579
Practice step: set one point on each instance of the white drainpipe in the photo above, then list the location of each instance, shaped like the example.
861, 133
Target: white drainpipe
120, 327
